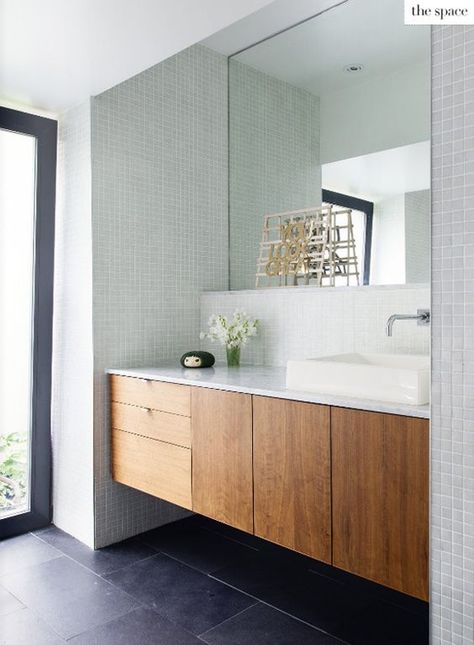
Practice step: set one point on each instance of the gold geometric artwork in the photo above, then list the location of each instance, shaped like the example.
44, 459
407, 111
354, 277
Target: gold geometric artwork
308, 246
291, 254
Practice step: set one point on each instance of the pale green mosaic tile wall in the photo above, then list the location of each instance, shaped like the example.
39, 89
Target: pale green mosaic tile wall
159, 224
273, 160
452, 275
417, 236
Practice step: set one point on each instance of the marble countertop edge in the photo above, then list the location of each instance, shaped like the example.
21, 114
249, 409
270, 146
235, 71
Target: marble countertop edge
263, 381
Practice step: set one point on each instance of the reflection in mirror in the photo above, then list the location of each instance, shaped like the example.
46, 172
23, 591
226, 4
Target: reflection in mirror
332, 119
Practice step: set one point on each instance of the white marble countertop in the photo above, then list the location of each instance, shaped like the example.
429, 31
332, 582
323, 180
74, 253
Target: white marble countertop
263, 381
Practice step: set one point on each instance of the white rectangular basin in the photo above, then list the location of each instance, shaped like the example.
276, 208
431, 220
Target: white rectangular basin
398, 378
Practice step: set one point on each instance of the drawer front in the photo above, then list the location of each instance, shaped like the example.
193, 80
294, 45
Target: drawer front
167, 397
172, 428
154, 467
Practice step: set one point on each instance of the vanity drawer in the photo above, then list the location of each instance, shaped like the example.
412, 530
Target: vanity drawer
154, 467
167, 397
172, 428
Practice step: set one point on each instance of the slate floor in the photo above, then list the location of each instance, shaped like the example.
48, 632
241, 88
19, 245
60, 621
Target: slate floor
192, 582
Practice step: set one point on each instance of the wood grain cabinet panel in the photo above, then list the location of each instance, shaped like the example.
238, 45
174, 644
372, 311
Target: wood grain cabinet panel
172, 428
145, 393
292, 480
380, 498
222, 456
154, 467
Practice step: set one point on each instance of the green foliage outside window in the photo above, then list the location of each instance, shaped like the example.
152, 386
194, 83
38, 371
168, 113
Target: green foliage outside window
13, 469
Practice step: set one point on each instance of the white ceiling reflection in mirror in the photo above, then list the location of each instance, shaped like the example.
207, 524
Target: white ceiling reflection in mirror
381, 174
314, 55
300, 124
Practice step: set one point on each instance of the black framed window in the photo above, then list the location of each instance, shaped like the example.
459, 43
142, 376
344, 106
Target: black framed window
357, 204
42, 135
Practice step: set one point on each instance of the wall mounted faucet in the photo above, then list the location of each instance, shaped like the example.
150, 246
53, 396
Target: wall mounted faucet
423, 316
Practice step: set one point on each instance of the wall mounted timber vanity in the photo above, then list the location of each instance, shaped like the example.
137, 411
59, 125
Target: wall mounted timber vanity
344, 481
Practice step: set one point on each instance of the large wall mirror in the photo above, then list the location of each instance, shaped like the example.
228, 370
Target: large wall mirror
331, 120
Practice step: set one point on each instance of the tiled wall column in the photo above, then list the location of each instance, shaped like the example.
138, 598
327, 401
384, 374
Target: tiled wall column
72, 395
159, 237
452, 511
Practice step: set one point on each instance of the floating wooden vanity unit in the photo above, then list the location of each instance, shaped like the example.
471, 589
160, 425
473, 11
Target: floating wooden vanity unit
151, 437
344, 486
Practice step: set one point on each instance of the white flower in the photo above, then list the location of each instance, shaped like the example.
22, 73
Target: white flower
233, 333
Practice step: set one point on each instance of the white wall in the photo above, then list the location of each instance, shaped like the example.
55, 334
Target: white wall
72, 387
376, 115
388, 260
56, 54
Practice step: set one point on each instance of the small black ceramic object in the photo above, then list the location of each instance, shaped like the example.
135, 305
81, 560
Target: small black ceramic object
197, 359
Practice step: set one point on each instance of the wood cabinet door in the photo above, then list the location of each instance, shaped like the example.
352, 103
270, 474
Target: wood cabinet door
292, 486
380, 498
222, 456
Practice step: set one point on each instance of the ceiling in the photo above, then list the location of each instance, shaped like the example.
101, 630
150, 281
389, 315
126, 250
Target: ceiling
380, 175
272, 19
314, 54
57, 53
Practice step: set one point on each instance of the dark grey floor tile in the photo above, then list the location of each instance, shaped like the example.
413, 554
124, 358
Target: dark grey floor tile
101, 561
8, 603
24, 551
387, 624
371, 590
86, 610
139, 627
181, 594
262, 625
57, 578
22, 627
69, 599
196, 547
379, 593
317, 600
67, 596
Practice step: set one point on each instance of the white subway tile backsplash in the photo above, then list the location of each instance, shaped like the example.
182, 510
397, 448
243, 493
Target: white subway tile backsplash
303, 322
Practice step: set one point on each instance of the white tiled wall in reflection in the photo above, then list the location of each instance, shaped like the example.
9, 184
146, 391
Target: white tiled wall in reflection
273, 157
452, 426
417, 241
159, 226
308, 321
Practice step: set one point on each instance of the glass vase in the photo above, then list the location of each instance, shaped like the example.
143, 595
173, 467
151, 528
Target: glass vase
233, 356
